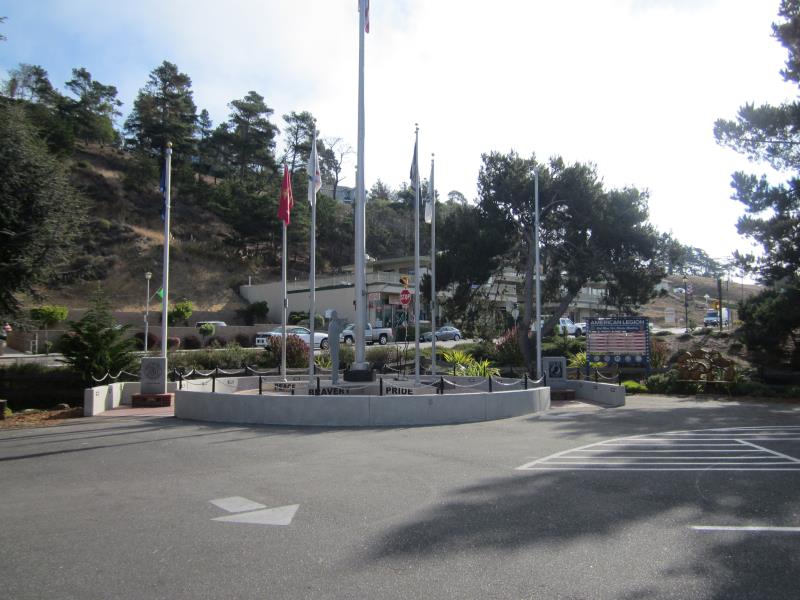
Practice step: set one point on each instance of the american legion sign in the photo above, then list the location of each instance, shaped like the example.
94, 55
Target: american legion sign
624, 341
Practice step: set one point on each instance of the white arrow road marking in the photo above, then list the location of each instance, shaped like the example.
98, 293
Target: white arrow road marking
281, 515
236, 504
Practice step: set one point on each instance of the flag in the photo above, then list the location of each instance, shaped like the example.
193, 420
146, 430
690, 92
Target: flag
160, 293
431, 199
314, 177
414, 174
287, 200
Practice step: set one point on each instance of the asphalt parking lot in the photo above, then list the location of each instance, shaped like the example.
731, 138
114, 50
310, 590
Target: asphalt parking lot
664, 498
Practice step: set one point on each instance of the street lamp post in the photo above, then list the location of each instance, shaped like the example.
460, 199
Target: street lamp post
685, 304
538, 277
147, 276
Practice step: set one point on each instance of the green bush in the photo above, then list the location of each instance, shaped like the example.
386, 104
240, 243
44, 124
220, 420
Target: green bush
562, 346
701, 331
482, 350
36, 386
668, 383
192, 342
663, 333
507, 350
634, 387
206, 329
296, 351
230, 357
752, 388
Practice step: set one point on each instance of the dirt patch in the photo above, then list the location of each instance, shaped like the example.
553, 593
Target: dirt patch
41, 418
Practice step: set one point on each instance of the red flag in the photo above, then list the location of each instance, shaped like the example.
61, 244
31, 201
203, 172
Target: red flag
287, 200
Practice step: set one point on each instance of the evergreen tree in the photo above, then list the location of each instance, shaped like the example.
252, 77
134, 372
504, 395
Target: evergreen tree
40, 213
252, 136
164, 111
96, 108
298, 131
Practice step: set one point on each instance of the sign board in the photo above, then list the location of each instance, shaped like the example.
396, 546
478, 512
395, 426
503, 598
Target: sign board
623, 341
669, 316
555, 368
689, 288
515, 313
405, 297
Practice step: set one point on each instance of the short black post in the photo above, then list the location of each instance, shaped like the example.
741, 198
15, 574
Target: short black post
318, 387
292, 390
441, 386
260, 386
619, 377
595, 375
454, 369
3, 404
526, 381
180, 380
380, 387
214, 381
490, 384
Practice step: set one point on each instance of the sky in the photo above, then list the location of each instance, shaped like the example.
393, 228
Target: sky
631, 86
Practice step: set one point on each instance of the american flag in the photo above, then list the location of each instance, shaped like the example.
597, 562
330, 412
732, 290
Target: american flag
617, 342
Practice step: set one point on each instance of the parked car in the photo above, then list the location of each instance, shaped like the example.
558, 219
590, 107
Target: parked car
447, 332
712, 318
320, 337
199, 324
382, 335
566, 325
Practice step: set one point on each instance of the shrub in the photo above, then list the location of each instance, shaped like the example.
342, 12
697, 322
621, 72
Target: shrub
206, 329
562, 346
663, 333
752, 388
296, 351
244, 340
579, 360
192, 342
507, 351
701, 331
735, 348
668, 383
173, 343
152, 341
96, 345
659, 353
380, 355
218, 341
482, 350
36, 386
231, 357
180, 312
634, 387
256, 312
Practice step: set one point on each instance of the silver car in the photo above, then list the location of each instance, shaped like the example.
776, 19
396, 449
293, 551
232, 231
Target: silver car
447, 332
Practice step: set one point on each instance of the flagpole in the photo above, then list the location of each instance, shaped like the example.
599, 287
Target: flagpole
312, 280
432, 192
416, 257
360, 237
165, 274
285, 306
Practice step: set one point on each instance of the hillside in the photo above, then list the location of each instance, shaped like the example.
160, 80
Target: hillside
732, 293
206, 263
127, 241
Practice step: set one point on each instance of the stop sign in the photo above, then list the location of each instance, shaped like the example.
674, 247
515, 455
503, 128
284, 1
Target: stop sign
405, 297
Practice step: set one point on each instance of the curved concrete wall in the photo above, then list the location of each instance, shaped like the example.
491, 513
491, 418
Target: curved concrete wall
358, 411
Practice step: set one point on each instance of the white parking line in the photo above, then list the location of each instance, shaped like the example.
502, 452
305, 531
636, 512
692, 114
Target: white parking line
756, 528
730, 449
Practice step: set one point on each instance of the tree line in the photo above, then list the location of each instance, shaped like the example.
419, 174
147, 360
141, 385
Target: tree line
589, 233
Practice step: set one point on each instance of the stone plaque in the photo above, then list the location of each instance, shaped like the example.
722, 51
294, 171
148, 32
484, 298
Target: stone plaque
154, 375
555, 368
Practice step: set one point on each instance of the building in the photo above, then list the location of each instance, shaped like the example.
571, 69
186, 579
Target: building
346, 195
337, 292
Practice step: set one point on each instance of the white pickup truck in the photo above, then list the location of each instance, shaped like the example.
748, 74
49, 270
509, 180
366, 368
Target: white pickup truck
382, 335
566, 325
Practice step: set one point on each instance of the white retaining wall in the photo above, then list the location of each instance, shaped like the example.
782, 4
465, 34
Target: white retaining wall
101, 398
358, 411
607, 394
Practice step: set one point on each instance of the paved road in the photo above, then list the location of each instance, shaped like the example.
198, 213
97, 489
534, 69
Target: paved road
660, 499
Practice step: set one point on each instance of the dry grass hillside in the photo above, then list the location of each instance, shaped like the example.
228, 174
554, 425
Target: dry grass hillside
126, 240
732, 293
